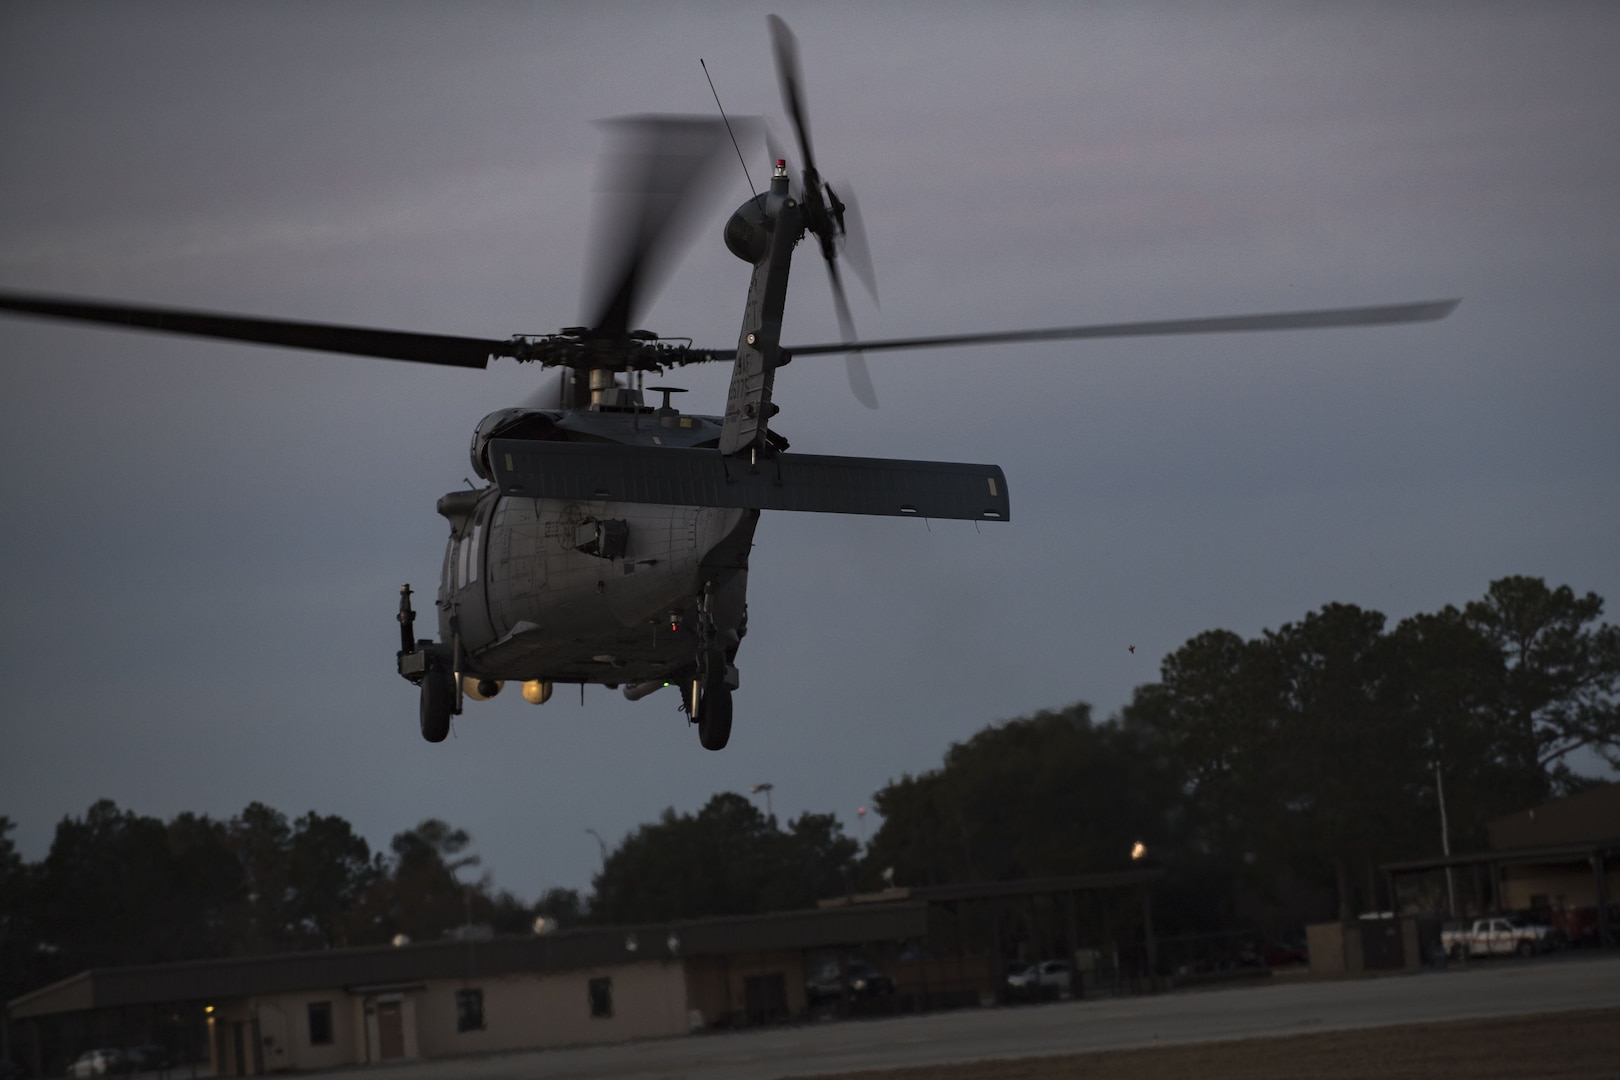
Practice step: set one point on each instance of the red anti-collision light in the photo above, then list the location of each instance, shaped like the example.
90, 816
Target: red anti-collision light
781, 163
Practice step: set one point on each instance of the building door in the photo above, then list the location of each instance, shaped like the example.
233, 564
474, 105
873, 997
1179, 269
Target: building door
765, 998
1382, 944
390, 1031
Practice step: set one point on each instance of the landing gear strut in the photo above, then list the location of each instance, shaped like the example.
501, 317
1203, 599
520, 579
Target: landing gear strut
418, 664
709, 696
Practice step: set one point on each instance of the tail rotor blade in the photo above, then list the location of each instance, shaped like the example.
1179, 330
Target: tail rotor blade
857, 253
860, 378
787, 72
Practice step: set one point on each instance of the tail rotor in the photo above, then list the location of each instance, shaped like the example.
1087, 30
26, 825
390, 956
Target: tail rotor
834, 222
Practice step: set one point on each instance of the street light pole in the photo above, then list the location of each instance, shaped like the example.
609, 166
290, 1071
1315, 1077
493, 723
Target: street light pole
601, 846
765, 788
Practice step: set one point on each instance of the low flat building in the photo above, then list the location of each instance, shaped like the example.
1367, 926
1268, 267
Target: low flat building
323, 1010
937, 946
1560, 860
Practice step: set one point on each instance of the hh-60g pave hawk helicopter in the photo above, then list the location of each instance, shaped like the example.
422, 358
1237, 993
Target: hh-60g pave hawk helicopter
610, 542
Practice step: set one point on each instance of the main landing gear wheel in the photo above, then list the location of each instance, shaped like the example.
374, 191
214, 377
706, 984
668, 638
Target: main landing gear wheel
714, 718
438, 698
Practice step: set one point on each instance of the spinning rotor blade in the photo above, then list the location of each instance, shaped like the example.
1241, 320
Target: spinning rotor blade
554, 392
654, 180
322, 337
787, 73
1427, 311
860, 378
827, 218
856, 252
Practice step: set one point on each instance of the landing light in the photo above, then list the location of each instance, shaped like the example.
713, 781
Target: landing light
1138, 850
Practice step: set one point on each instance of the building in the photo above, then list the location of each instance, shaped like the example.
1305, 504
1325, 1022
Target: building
322, 1010
941, 946
1560, 860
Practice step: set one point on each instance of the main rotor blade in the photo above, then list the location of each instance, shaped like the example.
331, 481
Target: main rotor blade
653, 182
555, 391
787, 73
1427, 311
860, 377
442, 349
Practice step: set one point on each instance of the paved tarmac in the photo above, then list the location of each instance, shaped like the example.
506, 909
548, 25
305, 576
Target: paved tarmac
1280, 1007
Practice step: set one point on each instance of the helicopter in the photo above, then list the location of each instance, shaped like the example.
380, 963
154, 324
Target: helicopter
609, 543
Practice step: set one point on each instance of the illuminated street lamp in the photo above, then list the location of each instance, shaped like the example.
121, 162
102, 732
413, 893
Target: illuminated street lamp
1138, 851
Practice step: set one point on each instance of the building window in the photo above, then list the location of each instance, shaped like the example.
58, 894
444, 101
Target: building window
601, 992
469, 1010
320, 1023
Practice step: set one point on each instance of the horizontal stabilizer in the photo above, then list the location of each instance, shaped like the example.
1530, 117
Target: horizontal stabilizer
806, 482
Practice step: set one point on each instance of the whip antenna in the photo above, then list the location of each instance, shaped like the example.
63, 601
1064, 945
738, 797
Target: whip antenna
733, 134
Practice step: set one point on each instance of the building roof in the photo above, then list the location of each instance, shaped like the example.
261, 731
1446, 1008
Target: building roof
205, 980
1589, 817
1556, 853
984, 890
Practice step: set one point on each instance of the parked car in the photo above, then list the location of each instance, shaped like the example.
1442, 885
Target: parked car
150, 1058
1057, 974
1048, 974
1280, 954
1502, 935
855, 979
104, 1062
1578, 926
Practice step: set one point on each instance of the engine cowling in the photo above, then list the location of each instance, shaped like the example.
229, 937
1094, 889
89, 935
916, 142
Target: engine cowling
508, 424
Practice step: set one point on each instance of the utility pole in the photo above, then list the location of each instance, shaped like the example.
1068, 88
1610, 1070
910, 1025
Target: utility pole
1445, 841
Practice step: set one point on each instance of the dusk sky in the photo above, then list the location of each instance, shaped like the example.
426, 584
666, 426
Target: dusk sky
205, 541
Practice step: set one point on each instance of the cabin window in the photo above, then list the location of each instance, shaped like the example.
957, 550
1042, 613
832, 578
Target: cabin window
601, 995
469, 1010
320, 1023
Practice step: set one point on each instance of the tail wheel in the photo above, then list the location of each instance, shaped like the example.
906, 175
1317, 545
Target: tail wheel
438, 699
714, 718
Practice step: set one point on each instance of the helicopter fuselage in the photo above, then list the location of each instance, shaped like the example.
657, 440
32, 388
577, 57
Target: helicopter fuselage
591, 591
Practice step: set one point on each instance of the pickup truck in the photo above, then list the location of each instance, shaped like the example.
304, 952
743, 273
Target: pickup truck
1502, 935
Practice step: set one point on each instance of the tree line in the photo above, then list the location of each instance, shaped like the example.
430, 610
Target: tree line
1269, 776
120, 888
1272, 775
